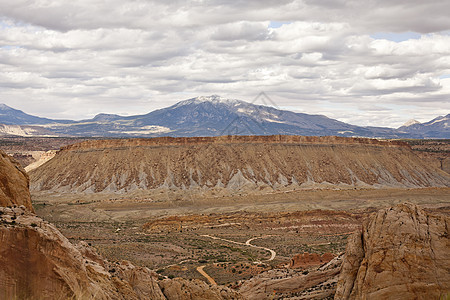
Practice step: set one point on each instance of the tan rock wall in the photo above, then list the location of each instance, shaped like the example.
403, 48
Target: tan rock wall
402, 253
13, 183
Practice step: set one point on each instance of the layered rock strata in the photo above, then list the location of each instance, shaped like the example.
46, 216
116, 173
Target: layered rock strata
234, 163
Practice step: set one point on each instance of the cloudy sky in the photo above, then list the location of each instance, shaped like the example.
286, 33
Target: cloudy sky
365, 62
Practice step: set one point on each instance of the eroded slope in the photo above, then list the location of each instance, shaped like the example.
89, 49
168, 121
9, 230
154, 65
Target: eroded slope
233, 162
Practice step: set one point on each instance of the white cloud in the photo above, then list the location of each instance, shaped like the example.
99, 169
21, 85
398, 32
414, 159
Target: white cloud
76, 59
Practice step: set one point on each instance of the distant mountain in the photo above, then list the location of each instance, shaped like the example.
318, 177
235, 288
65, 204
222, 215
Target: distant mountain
11, 116
436, 128
106, 118
211, 116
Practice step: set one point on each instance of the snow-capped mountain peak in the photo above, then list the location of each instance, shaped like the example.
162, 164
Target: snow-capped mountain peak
215, 99
410, 123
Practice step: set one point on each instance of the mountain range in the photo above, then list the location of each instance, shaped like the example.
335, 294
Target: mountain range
210, 116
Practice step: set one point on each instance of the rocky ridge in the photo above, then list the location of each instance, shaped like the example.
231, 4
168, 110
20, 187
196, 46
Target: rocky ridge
234, 163
402, 253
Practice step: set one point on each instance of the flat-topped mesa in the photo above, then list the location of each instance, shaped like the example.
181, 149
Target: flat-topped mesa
231, 139
234, 163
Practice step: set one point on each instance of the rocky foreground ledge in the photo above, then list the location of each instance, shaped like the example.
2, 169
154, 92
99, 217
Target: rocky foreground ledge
403, 252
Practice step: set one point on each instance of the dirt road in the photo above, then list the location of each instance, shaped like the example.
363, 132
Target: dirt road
209, 278
247, 243
272, 252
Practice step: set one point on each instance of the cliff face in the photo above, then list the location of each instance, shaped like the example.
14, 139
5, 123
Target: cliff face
230, 139
233, 162
13, 183
38, 262
402, 253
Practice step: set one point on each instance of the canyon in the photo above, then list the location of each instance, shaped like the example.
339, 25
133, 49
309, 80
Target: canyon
263, 217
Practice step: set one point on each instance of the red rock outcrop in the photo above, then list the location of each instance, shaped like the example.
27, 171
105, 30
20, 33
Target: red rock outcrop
13, 183
402, 253
234, 163
38, 262
306, 260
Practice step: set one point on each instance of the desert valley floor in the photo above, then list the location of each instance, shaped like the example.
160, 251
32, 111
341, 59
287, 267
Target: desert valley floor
175, 237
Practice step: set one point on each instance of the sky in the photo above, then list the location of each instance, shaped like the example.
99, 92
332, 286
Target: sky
364, 62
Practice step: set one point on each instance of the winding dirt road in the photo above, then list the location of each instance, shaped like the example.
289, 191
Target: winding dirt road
273, 254
209, 278
247, 243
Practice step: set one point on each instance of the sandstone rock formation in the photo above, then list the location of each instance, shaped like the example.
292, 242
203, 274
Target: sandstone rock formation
402, 253
234, 163
38, 262
13, 183
319, 283
183, 289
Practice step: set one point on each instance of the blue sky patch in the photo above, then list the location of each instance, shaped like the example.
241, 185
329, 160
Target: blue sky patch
277, 24
397, 36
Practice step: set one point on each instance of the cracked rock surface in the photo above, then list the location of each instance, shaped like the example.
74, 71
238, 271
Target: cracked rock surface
403, 252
